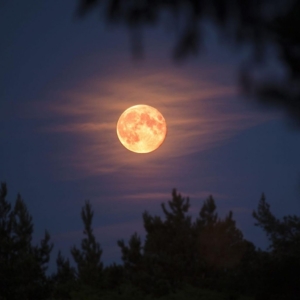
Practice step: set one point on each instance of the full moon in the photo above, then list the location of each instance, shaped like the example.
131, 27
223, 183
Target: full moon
141, 128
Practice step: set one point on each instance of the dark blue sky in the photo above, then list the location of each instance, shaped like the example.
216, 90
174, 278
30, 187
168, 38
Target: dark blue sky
65, 82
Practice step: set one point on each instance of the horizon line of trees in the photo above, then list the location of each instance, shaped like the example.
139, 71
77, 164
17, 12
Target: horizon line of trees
178, 254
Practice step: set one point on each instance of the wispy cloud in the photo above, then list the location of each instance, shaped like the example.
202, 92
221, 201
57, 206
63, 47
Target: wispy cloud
80, 128
200, 112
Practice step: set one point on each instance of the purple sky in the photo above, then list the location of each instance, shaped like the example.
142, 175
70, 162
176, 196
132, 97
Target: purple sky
64, 84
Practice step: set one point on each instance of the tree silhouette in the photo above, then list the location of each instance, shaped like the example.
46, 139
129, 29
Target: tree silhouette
259, 24
164, 261
209, 252
22, 265
113, 276
207, 215
63, 279
88, 259
220, 247
131, 254
133, 262
284, 236
177, 254
169, 244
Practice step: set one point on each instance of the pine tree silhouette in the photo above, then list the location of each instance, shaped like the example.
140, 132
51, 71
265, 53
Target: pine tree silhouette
22, 265
88, 258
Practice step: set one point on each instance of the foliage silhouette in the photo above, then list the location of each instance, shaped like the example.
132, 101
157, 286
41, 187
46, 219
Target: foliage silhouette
205, 253
22, 265
169, 243
88, 259
221, 249
257, 24
223, 237
64, 278
113, 276
284, 236
179, 258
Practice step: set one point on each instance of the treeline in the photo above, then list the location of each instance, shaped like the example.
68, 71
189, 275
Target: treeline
206, 258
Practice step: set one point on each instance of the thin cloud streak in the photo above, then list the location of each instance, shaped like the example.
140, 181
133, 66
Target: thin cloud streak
198, 112
79, 128
165, 197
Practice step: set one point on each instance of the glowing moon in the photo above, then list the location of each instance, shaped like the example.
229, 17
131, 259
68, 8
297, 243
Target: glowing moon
141, 128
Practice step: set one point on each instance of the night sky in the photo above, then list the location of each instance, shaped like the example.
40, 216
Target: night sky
64, 83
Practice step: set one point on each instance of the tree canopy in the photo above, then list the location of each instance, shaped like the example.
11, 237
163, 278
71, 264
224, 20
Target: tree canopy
88, 259
179, 257
284, 236
22, 265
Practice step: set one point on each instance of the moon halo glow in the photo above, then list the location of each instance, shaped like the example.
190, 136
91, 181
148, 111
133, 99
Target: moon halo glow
141, 128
